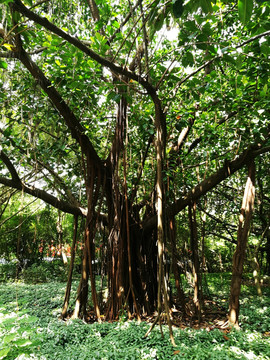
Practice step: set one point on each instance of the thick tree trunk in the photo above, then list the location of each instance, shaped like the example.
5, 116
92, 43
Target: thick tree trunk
268, 254
130, 268
242, 237
160, 124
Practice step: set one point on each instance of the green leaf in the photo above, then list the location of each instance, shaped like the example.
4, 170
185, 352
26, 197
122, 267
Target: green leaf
191, 25
206, 6
245, 10
152, 15
116, 24
16, 16
4, 352
202, 42
265, 48
9, 338
3, 64
113, 96
159, 22
177, 8
229, 59
263, 92
22, 342
188, 59
28, 2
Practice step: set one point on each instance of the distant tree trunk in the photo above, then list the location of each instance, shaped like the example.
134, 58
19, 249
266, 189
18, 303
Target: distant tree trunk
264, 216
130, 268
268, 254
197, 298
256, 273
59, 229
255, 263
71, 266
242, 237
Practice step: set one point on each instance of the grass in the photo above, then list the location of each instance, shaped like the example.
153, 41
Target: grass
30, 329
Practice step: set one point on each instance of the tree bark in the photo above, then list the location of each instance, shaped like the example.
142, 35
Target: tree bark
178, 285
197, 281
71, 266
242, 237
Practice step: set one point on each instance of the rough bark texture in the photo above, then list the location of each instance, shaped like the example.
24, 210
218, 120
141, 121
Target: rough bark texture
242, 237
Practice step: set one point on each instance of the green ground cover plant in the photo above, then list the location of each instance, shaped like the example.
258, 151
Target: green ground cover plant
30, 329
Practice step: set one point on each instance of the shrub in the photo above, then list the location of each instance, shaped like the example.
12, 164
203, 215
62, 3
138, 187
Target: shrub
45, 271
7, 272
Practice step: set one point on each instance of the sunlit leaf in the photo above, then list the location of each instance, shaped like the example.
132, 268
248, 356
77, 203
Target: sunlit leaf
28, 2
4, 353
3, 64
9, 338
8, 46
22, 342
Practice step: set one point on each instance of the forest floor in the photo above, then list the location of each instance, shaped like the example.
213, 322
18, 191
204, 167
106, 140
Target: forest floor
30, 328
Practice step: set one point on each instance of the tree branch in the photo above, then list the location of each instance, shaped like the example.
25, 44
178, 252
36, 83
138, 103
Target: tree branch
77, 130
68, 193
17, 212
229, 168
9, 165
43, 195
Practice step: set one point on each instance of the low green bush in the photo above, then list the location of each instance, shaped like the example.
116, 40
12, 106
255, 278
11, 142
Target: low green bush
45, 271
7, 272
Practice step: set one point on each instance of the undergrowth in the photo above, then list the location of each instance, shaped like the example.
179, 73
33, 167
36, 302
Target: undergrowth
30, 329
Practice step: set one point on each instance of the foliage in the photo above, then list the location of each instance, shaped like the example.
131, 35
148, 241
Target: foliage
8, 271
30, 329
45, 272
32, 226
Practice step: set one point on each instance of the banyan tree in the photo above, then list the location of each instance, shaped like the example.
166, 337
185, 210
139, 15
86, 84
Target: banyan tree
109, 115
